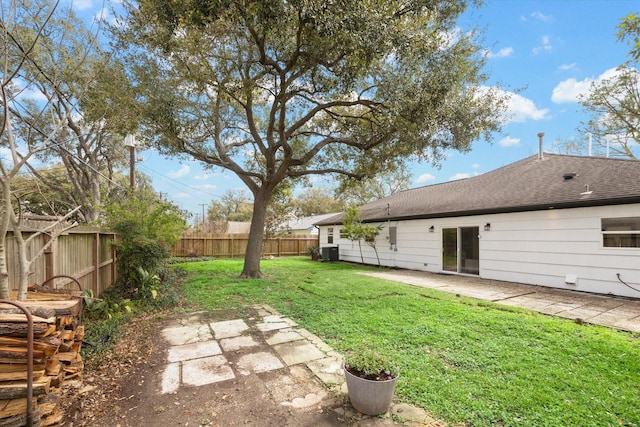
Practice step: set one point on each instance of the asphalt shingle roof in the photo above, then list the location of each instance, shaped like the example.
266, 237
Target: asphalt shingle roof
526, 185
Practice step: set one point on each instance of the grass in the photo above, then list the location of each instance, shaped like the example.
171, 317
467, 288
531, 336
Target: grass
464, 360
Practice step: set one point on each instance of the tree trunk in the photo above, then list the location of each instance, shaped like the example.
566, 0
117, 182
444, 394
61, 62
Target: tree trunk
4, 228
4, 273
23, 262
256, 235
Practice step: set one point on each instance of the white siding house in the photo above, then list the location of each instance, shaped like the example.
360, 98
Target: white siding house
559, 221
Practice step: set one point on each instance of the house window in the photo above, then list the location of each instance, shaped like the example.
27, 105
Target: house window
621, 232
330, 235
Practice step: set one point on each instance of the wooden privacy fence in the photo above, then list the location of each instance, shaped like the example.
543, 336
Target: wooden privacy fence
235, 245
85, 253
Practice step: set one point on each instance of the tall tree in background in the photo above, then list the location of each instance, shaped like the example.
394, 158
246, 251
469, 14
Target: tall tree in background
233, 206
275, 90
383, 184
615, 102
25, 29
84, 117
316, 201
629, 32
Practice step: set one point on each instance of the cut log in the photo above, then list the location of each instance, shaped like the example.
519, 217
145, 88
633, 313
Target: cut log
80, 333
57, 380
49, 345
15, 376
62, 307
48, 292
53, 367
16, 390
21, 420
15, 325
53, 419
67, 357
19, 367
19, 355
12, 407
67, 335
66, 322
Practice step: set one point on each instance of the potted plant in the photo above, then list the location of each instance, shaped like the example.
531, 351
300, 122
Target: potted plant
314, 252
371, 381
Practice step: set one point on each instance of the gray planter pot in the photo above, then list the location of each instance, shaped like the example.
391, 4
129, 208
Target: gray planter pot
370, 397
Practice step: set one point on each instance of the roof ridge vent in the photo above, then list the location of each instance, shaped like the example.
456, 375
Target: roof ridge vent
569, 175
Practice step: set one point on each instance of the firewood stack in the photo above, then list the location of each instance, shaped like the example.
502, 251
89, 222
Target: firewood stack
57, 340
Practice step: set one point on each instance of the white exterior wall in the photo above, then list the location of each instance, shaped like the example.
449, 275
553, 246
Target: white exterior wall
540, 247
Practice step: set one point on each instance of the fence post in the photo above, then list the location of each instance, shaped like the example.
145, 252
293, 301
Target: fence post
49, 258
96, 261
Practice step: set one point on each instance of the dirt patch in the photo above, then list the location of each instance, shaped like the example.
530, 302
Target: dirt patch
123, 391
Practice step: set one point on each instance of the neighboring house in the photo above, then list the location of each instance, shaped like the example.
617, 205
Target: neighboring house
553, 220
303, 225
238, 227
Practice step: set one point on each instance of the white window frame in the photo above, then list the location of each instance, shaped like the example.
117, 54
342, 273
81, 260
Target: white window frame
621, 230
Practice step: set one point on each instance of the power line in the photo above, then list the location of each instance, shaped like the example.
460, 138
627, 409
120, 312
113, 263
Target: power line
180, 182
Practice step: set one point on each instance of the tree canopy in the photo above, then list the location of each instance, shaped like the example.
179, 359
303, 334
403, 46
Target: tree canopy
277, 90
614, 102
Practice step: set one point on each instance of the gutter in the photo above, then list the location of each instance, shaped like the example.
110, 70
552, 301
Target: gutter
508, 209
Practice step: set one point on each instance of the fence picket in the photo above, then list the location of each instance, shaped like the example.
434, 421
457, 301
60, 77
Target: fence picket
235, 245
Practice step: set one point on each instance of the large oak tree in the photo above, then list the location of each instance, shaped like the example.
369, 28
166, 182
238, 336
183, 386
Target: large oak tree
278, 90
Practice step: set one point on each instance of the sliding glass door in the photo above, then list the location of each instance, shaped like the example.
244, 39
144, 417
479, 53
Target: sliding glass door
461, 250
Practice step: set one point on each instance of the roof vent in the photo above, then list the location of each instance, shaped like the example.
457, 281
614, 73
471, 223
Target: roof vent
569, 175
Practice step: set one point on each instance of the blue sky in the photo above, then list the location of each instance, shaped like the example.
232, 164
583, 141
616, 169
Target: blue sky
550, 51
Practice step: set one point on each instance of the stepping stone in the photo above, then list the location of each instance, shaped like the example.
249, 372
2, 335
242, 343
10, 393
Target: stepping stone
206, 370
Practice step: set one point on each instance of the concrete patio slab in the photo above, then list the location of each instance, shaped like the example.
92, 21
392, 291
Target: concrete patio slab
296, 352
228, 328
238, 343
299, 389
616, 312
258, 362
195, 350
170, 380
179, 335
284, 335
296, 369
328, 369
206, 370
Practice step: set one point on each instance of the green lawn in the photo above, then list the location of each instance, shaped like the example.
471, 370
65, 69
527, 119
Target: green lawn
464, 360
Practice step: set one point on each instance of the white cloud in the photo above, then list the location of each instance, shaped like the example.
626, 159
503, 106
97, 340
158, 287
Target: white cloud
541, 17
502, 53
181, 195
104, 15
459, 176
567, 67
521, 109
546, 46
571, 89
180, 173
475, 166
5, 154
33, 94
509, 142
204, 176
82, 4
208, 187
425, 177
518, 109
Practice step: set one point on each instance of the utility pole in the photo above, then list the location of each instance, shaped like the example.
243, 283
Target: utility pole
203, 217
130, 141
